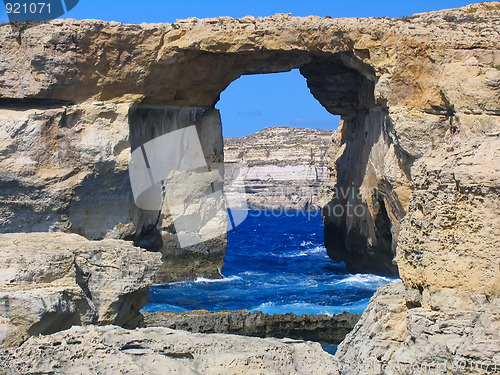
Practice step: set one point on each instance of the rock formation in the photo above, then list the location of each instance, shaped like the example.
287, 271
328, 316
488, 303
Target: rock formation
393, 81
320, 328
281, 167
415, 175
52, 281
65, 168
155, 351
449, 332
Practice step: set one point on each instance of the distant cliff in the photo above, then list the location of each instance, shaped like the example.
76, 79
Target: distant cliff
280, 167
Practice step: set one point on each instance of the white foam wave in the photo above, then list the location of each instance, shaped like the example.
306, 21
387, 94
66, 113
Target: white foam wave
303, 253
171, 283
299, 308
224, 280
306, 243
253, 273
317, 250
293, 255
365, 279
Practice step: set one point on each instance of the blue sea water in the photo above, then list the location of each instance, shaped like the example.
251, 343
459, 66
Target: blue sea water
275, 263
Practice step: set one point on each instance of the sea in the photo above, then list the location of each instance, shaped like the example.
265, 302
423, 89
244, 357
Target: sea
276, 262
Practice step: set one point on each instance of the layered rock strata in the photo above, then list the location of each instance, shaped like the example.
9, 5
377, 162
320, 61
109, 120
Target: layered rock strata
320, 328
277, 168
111, 350
52, 281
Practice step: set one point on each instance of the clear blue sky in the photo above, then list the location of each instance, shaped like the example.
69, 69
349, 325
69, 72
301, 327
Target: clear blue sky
254, 102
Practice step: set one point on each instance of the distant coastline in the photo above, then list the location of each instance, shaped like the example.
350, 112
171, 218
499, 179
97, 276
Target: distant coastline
282, 168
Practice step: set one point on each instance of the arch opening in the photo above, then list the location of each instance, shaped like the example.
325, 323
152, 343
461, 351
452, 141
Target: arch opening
257, 101
349, 93
364, 238
344, 86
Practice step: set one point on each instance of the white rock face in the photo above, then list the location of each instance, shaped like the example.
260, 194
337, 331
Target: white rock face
277, 168
65, 169
51, 281
149, 351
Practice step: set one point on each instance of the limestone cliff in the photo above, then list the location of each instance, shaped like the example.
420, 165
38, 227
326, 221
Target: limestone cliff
280, 167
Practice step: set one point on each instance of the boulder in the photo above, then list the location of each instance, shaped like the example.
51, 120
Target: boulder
52, 281
455, 333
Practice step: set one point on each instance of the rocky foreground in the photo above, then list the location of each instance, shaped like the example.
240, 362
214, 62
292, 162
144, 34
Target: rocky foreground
151, 351
278, 168
449, 333
52, 281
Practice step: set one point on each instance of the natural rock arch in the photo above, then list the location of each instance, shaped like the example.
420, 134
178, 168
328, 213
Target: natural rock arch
344, 85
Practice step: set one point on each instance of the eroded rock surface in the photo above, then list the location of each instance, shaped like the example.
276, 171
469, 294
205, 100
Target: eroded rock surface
451, 333
320, 328
52, 281
445, 317
450, 236
112, 350
280, 167
66, 169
